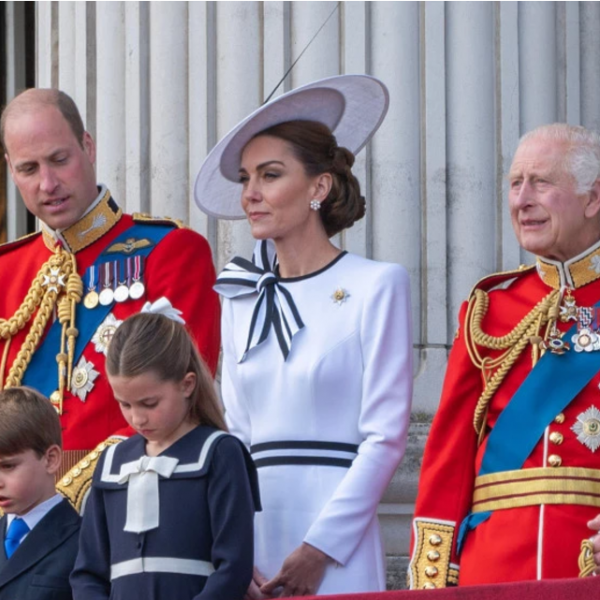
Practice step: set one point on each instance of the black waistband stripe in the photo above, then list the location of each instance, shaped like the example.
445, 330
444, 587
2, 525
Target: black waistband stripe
304, 445
302, 460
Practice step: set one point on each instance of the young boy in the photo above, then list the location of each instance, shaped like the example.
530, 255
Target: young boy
39, 530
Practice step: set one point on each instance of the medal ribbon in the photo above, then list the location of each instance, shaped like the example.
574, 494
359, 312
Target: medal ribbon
107, 283
274, 307
115, 269
139, 268
92, 278
129, 266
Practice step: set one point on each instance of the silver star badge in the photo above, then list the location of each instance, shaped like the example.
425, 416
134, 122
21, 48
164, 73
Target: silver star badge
54, 280
340, 296
587, 428
82, 380
105, 332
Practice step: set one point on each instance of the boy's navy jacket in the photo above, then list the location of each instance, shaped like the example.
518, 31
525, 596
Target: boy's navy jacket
203, 546
39, 568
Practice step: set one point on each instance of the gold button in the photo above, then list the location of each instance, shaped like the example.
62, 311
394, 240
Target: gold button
76, 471
435, 540
67, 480
557, 438
554, 460
102, 446
429, 585
559, 418
94, 455
85, 463
433, 555
431, 572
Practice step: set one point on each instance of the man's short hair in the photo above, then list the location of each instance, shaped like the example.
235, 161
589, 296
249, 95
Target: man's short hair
44, 97
28, 421
582, 159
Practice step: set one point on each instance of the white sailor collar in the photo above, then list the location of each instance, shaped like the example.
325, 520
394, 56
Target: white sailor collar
192, 454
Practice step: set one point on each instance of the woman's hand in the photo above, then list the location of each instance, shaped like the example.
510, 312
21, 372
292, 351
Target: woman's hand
254, 592
301, 573
595, 525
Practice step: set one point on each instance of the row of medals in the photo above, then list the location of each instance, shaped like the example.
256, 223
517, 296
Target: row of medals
586, 338
135, 290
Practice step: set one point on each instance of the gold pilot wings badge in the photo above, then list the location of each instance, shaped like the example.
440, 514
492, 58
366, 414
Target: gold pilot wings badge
129, 246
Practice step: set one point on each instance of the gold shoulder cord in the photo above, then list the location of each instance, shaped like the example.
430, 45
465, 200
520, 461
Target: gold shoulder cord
57, 285
527, 331
586, 562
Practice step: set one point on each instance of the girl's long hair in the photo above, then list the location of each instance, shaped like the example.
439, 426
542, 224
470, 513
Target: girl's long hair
149, 342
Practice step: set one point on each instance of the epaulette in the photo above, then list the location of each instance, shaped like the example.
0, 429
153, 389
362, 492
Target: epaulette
75, 485
21, 241
500, 280
146, 218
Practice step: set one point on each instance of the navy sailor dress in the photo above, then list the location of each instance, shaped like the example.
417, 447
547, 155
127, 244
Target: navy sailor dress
179, 525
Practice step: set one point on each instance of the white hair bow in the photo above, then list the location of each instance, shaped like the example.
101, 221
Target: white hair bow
163, 307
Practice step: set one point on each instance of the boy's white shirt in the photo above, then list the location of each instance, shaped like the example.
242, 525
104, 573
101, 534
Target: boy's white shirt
36, 514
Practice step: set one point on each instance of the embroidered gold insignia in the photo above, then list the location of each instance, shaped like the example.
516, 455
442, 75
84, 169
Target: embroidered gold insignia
82, 381
98, 221
340, 296
105, 332
587, 428
129, 246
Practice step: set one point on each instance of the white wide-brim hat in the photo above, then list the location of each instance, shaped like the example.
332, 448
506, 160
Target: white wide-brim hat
352, 106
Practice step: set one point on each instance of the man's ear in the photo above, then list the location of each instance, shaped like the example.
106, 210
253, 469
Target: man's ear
89, 146
53, 458
10, 167
592, 207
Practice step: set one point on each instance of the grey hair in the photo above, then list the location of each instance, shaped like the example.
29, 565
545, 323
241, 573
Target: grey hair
582, 159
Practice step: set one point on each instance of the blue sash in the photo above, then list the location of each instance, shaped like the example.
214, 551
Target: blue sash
41, 371
535, 404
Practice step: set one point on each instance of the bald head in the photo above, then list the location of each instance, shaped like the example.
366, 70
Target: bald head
34, 99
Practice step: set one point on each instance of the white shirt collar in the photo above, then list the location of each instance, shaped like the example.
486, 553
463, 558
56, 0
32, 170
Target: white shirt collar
37, 513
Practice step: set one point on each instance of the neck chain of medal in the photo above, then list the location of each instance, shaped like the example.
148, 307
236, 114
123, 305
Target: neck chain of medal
57, 286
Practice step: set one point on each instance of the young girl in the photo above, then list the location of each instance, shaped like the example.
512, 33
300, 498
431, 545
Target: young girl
170, 513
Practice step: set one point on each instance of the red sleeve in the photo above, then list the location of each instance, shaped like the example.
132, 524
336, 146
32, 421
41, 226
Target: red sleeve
181, 269
448, 469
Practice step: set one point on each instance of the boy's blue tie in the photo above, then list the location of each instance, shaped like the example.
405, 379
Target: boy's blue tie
18, 528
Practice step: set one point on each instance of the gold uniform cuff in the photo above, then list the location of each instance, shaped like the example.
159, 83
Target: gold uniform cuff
430, 565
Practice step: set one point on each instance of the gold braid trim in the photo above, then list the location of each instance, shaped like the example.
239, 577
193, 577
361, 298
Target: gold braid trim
495, 370
47, 292
586, 559
56, 266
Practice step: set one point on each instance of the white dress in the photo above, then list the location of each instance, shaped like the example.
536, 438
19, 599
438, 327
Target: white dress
327, 427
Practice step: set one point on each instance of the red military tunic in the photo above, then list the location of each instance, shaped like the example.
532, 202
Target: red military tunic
179, 268
518, 542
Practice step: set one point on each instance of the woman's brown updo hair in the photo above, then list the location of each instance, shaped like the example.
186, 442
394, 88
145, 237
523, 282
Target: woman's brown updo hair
316, 148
